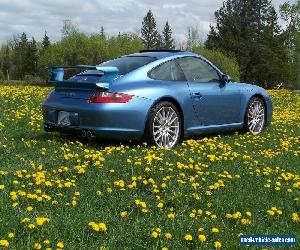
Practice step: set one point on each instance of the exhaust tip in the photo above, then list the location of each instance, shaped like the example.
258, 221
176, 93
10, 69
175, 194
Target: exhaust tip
47, 128
90, 135
83, 133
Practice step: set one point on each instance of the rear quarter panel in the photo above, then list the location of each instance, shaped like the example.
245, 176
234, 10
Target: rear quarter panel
157, 91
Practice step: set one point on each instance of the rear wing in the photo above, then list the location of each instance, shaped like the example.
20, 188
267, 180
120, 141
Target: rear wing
58, 72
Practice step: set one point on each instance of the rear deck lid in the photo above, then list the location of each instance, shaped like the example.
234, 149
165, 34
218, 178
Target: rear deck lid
83, 84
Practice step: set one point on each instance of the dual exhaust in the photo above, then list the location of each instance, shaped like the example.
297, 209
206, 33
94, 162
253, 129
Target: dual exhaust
47, 128
88, 134
84, 133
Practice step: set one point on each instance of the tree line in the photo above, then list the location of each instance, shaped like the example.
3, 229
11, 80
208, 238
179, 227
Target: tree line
246, 42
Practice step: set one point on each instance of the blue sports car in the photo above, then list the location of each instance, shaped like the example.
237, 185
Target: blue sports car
162, 95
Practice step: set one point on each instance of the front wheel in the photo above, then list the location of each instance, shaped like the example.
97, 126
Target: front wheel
255, 116
164, 125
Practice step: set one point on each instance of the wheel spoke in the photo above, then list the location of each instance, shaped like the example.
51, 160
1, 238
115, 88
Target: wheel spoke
256, 116
166, 127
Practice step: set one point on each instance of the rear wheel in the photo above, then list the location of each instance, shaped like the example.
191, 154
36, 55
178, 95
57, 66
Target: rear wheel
255, 116
164, 125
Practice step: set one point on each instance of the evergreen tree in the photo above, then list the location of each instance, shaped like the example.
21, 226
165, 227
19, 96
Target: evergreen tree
25, 57
20, 53
159, 41
167, 39
102, 32
46, 41
249, 30
149, 33
31, 58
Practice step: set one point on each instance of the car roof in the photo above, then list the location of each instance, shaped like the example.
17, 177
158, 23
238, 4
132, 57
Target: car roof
158, 54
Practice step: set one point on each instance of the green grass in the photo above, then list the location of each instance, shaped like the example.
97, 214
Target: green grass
35, 162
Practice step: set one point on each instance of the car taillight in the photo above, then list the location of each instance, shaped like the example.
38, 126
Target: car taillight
109, 97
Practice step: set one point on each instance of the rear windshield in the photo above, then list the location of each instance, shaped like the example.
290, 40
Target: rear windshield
127, 64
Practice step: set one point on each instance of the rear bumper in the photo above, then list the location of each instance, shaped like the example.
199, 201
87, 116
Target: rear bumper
118, 133
110, 120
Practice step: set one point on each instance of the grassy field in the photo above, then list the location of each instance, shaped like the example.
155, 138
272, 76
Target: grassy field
62, 192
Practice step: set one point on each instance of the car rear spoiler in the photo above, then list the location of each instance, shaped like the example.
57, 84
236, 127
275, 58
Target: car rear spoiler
58, 72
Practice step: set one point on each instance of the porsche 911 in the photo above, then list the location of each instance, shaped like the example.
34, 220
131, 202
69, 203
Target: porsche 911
162, 96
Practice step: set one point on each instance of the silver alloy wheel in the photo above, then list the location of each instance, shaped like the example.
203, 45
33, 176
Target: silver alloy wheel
256, 116
166, 127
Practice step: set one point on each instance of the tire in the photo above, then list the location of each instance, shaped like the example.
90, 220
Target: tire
255, 116
159, 131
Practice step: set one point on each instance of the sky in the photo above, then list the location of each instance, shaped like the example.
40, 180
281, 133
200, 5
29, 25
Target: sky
37, 16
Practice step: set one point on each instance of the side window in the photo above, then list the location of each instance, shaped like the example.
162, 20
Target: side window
169, 71
197, 70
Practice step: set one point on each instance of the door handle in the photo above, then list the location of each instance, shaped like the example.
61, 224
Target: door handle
197, 95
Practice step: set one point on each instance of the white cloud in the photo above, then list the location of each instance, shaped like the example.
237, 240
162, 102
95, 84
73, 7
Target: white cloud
173, 6
34, 17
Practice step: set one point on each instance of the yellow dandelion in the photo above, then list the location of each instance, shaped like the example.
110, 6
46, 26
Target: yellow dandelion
248, 213
124, 214
217, 244
171, 216
154, 234
202, 237
60, 245
295, 217
4, 243
37, 246
168, 236
188, 237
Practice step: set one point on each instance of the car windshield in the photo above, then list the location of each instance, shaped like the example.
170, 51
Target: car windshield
127, 64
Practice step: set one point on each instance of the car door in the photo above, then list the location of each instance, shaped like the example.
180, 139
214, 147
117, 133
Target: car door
215, 103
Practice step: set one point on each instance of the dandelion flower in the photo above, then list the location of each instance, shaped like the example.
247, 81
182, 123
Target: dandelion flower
215, 230
4, 243
154, 234
202, 237
160, 205
37, 246
60, 245
124, 214
217, 244
11, 235
171, 216
188, 237
29, 208
295, 217
248, 213
168, 236
41, 220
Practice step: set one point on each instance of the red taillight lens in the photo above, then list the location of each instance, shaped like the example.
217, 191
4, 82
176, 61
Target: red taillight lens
109, 97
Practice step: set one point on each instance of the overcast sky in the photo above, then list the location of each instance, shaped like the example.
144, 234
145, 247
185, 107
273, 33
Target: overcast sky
36, 16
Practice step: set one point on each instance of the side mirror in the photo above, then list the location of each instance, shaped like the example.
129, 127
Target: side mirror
225, 79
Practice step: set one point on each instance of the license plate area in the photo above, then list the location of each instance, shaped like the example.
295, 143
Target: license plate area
63, 118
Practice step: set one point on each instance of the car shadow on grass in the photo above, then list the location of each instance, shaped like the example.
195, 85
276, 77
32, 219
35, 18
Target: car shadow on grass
102, 143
